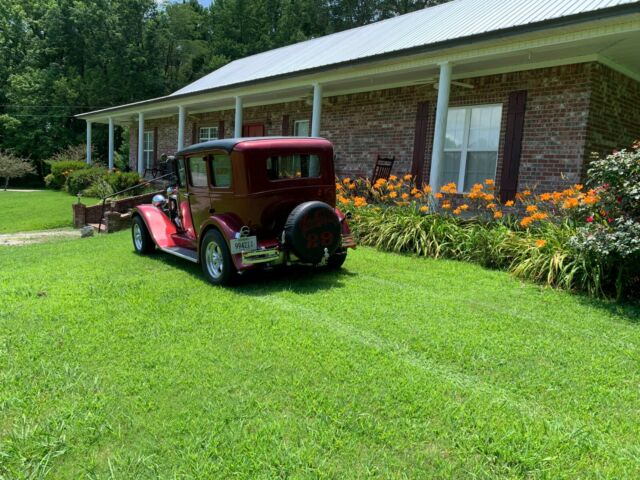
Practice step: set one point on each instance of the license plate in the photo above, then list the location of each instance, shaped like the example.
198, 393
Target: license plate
244, 244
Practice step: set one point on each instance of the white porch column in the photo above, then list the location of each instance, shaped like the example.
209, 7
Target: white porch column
442, 109
88, 142
316, 113
181, 115
140, 143
110, 143
238, 125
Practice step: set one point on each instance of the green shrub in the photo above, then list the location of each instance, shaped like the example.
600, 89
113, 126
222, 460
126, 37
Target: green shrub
60, 171
80, 180
122, 180
100, 188
544, 254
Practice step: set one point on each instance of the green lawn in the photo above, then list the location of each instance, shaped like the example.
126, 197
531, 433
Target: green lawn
119, 366
27, 211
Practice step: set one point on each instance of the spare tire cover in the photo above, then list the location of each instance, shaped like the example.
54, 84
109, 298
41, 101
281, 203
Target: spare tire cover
310, 228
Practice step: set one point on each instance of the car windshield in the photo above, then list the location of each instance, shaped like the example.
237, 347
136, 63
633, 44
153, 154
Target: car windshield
299, 165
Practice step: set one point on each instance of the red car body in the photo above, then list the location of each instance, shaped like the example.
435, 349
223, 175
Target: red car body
270, 199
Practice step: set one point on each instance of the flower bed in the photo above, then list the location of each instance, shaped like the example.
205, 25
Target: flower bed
585, 238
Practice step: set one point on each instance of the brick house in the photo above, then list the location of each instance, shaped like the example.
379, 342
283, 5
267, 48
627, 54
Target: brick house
514, 90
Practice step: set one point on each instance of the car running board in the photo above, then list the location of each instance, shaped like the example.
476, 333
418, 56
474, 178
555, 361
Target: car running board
181, 252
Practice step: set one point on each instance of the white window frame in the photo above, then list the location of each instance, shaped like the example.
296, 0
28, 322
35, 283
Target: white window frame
465, 141
147, 148
212, 134
300, 122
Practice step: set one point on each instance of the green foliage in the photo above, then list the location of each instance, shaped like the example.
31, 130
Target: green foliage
121, 366
60, 170
122, 180
75, 153
80, 180
609, 232
100, 188
544, 254
61, 58
617, 180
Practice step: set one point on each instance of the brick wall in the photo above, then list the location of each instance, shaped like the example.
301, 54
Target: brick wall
363, 125
614, 111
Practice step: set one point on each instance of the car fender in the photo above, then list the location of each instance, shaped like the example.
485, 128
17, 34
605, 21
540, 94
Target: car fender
343, 222
159, 225
228, 224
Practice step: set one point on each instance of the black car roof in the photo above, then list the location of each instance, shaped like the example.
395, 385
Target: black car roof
228, 144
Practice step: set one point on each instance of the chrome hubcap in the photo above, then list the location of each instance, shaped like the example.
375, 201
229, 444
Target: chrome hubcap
213, 259
137, 236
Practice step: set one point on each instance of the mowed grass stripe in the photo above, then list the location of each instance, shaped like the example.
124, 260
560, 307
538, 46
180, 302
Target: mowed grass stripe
557, 430
104, 363
299, 375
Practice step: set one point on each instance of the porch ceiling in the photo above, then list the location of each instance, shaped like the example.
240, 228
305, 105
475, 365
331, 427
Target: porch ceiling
615, 46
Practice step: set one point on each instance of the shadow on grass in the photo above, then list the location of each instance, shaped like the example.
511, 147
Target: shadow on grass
628, 311
259, 282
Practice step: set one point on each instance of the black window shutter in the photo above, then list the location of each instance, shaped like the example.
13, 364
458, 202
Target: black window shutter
285, 126
420, 142
513, 145
221, 129
194, 134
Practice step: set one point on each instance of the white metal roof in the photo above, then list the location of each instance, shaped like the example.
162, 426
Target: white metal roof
429, 27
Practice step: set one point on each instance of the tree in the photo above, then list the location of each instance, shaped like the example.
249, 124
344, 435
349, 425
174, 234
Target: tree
13, 167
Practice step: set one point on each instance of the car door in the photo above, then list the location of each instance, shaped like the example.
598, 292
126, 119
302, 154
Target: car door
198, 190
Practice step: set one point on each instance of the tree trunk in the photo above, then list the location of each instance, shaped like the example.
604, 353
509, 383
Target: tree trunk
6, 183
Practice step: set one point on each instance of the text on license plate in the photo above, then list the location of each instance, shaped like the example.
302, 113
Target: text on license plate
244, 244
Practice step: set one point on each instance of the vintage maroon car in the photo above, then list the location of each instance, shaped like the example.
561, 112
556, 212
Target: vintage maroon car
247, 202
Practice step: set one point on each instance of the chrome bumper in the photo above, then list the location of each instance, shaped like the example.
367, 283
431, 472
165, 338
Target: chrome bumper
261, 256
348, 241
275, 254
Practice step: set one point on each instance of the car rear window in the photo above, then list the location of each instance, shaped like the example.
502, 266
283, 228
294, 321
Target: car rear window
300, 165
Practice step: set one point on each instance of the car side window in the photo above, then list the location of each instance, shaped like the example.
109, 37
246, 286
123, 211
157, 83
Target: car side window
182, 173
197, 172
221, 170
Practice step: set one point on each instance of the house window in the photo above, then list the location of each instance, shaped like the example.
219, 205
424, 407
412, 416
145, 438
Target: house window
301, 128
147, 149
471, 145
208, 133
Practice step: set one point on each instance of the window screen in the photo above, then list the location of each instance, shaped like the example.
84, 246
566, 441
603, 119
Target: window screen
301, 128
221, 168
302, 165
471, 145
197, 172
208, 133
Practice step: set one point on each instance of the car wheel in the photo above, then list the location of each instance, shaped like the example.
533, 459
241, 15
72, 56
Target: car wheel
215, 259
142, 241
335, 261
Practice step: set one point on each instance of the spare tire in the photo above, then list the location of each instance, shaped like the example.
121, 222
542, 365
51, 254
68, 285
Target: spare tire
311, 228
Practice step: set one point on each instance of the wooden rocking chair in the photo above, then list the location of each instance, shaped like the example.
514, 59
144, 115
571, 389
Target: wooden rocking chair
382, 168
